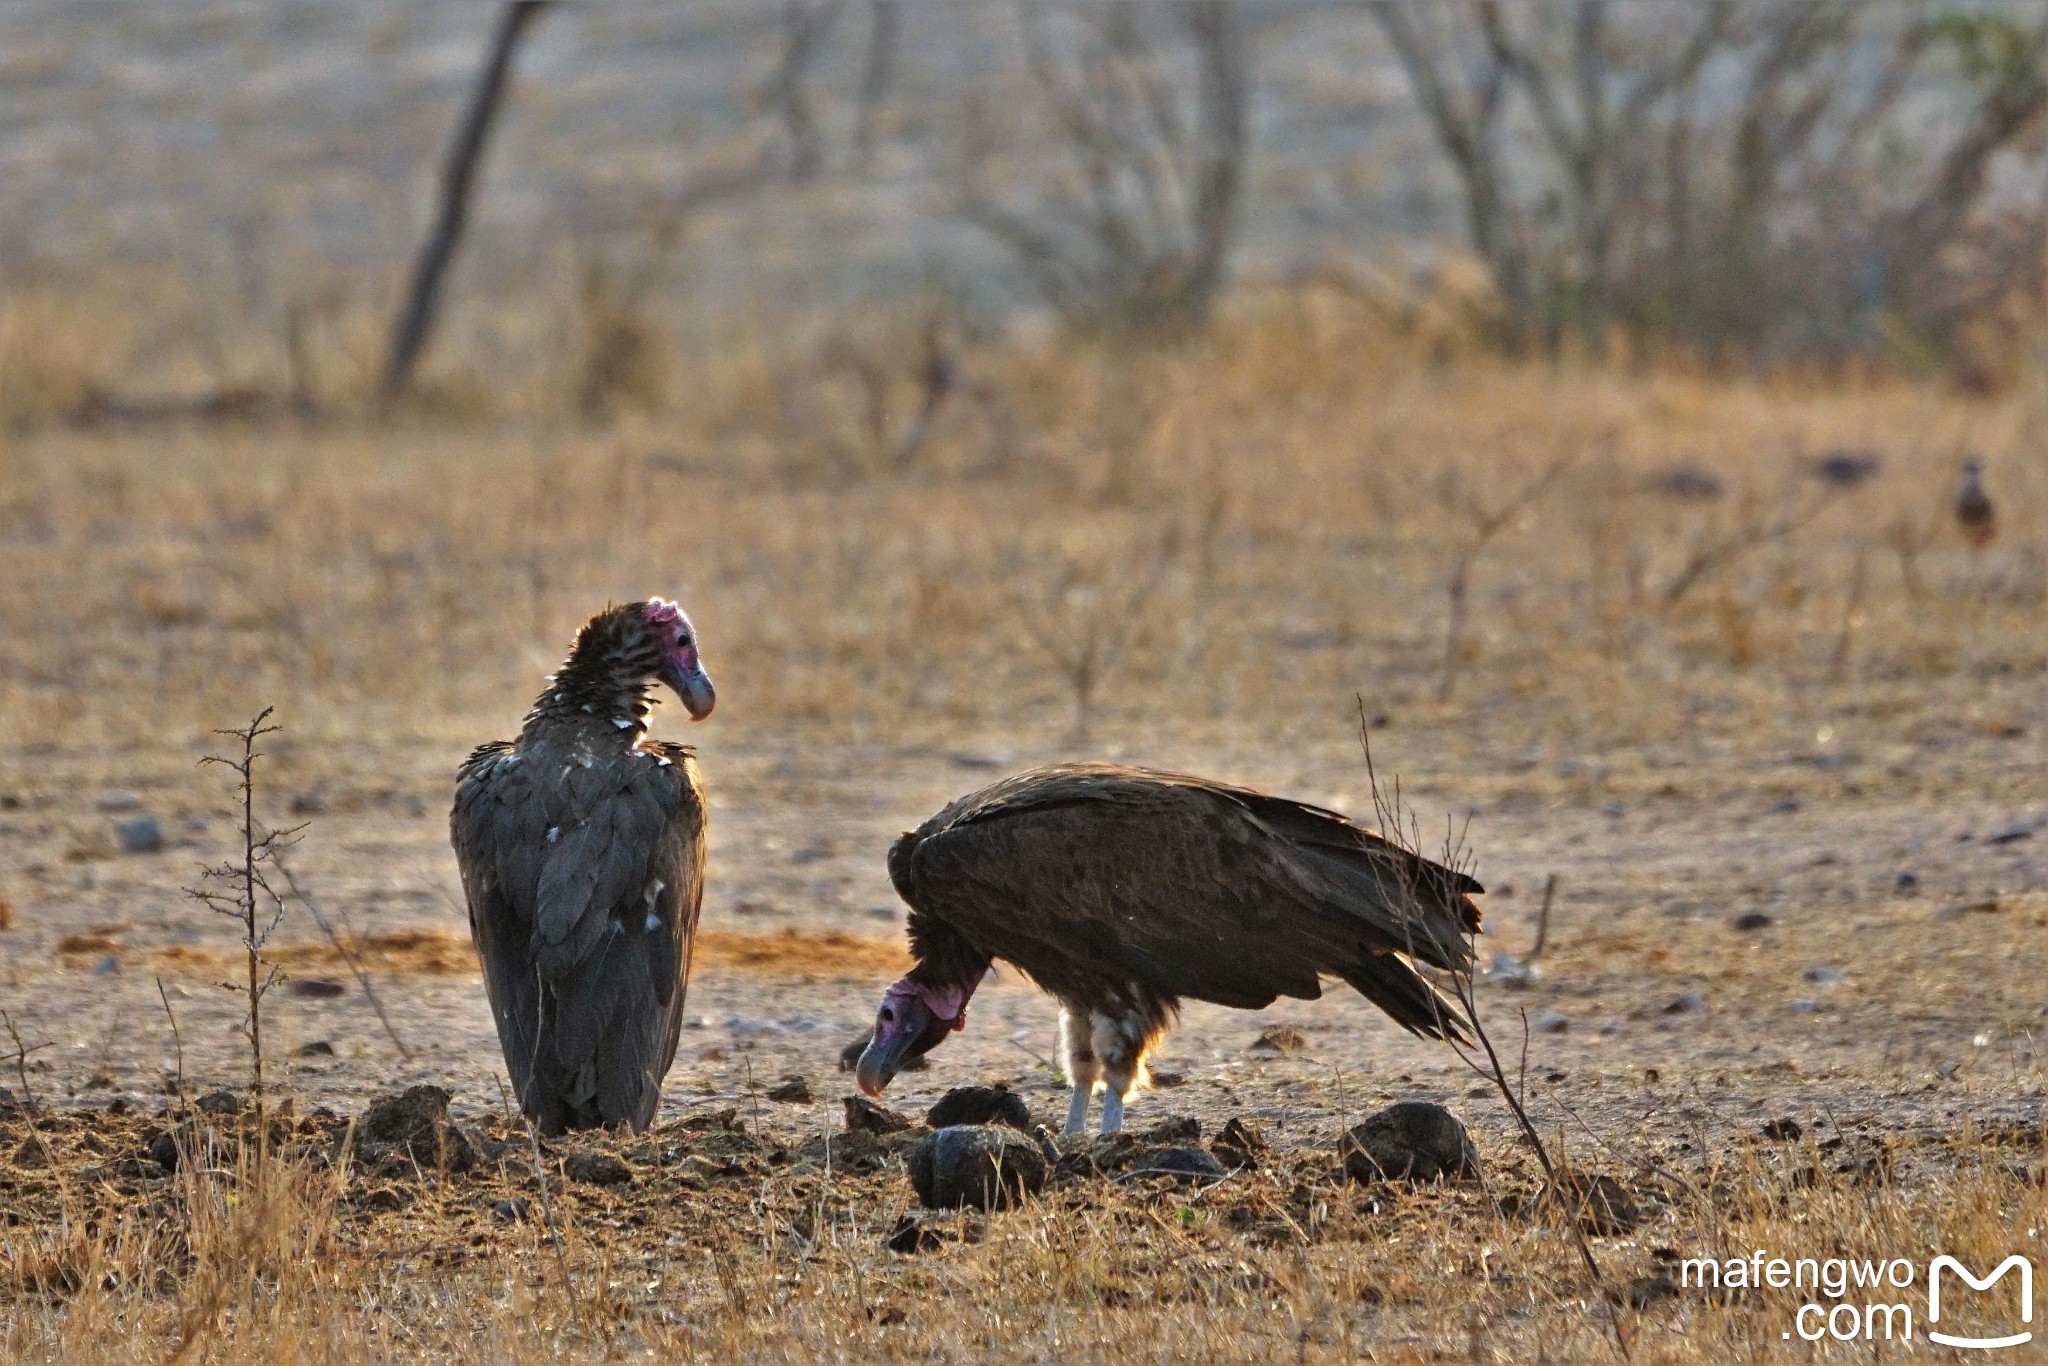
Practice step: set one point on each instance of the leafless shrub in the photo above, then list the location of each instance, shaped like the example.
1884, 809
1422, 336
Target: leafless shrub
1150, 104
239, 888
1085, 610
1751, 532
1482, 523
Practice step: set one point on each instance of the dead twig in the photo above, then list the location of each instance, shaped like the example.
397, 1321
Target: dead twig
1543, 917
21, 1056
177, 1040
1485, 523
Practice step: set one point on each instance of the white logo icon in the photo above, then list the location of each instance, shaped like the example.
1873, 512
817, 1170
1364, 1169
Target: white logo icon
1934, 1269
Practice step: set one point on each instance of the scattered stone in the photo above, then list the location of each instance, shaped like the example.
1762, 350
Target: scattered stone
1511, 971
311, 804
1550, 1022
1804, 1005
1827, 977
596, 1169
319, 1048
1784, 806
1906, 881
910, 1237
1412, 1140
1686, 1003
985, 1166
864, 1116
794, 1090
1240, 1145
1845, 468
318, 988
1280, 1039
1684, 481
139, 835
2011, 834
107, 966
1981, 907
513, 1211
1786, 1130
979, 1105
225, 1104
1753, 920
163, 1149
415, 1125
882, 912
1601, 1206
111, 802
1164, 1080
1182, 1164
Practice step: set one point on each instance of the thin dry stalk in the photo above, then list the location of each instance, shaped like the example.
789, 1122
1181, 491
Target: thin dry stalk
1485, 523
177, 1040
348, 955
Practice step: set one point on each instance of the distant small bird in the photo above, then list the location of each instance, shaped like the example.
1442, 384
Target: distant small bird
581, 846
1123, 891
1974, 513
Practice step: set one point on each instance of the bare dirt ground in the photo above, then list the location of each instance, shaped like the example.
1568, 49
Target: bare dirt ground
1856, 767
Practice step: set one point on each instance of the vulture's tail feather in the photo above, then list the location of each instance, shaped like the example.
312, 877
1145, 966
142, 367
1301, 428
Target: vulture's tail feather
1392, 983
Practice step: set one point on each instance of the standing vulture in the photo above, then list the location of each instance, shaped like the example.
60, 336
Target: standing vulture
1121, 891
582, 853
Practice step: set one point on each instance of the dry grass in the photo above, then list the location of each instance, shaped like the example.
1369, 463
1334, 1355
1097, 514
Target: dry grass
1305, 477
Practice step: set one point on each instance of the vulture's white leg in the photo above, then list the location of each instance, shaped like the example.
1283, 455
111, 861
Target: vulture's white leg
1120, 1047
1083, 1068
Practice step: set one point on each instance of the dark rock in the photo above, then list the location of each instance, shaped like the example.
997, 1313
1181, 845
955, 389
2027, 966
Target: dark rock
867, 1117
910, 1237
979, 1105
1686, 1003
1166, 1081
1413, 1140
2011, 834
223, 1103
319, 1048
164, 1149
1173, 1129
1240, 1145
311, 804
986, 1166
1845, 468
596, 1169
1182, 1164
139, 835
318, 988
1753, 920
794, 1090
1906, 881
1280, 1039
1684, 481
417, 1125
1784, 1130
1599, 1204
512, 1211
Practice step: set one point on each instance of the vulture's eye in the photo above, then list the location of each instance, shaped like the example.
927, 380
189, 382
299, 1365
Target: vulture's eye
888, 1015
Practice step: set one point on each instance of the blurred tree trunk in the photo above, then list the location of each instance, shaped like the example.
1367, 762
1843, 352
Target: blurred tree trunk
458, 178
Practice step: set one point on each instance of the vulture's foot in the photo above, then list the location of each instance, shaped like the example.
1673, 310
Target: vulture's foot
1077, 1111
1112, 1112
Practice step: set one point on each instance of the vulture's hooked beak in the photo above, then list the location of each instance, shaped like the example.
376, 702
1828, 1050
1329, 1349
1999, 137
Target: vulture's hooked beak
693, 685
877, 1065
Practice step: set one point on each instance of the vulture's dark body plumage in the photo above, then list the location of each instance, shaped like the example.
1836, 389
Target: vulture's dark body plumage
581, 846
1123, 891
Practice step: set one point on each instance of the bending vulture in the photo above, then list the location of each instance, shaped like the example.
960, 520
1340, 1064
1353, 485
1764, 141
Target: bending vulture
582, 852
1122, 891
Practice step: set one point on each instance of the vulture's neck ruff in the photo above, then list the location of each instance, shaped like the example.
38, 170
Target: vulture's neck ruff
619, 655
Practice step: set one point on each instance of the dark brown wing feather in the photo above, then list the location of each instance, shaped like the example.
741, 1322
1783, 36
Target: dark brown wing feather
1087, 876
584, 885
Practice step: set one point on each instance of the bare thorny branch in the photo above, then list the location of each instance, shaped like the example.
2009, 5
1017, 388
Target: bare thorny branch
239, 890
22, 1053
1483, 524
1398, 824
1083, 624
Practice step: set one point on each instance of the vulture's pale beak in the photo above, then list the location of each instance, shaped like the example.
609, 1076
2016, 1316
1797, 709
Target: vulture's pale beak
693, 685
877, 1066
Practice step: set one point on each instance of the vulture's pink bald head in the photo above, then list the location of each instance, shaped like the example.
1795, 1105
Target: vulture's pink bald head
914, 1018
681, 667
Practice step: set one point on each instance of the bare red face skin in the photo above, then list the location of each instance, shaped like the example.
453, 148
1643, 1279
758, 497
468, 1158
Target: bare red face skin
681, 667
912, 1021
